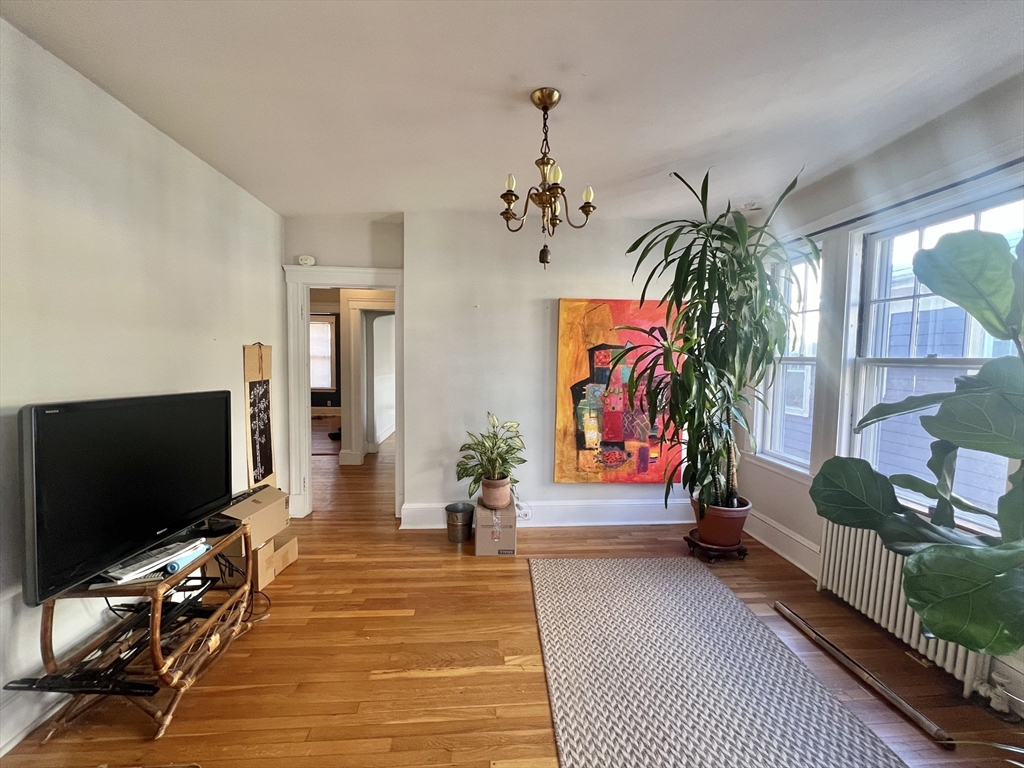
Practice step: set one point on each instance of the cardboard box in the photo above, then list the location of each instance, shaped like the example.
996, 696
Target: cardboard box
263, 566
286, 550
495, 532
266, 514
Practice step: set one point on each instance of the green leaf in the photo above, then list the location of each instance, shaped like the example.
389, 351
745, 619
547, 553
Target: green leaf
970, 596
943, 465
742, 230
911, 404
492, 420
982, 422
908, 532
923, 487
1004, 374
1010, 508
849, 492
973, 269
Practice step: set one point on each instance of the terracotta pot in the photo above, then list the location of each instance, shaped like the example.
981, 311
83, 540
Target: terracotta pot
721, 526
496, 494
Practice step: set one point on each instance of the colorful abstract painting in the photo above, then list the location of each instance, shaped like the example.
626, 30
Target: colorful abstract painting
598, 437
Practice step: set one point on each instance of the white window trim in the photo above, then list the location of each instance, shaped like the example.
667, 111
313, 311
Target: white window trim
330, 319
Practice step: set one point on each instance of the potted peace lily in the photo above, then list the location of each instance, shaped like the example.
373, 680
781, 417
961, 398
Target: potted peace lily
727, 319
489, 459
967, 589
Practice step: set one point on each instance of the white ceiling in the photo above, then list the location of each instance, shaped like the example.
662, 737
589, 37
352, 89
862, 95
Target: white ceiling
343, 107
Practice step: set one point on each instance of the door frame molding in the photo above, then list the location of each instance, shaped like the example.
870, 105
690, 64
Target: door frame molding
298, 281
358, 367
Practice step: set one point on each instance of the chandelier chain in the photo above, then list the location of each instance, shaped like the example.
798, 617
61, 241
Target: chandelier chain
544, 148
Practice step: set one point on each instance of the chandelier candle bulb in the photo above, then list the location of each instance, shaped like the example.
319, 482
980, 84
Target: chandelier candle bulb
556, 175
588, 195
510, 183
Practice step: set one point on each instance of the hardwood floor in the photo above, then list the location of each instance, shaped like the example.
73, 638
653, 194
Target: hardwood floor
322, 444
396, 648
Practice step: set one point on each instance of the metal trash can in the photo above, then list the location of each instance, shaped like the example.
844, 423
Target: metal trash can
460, 521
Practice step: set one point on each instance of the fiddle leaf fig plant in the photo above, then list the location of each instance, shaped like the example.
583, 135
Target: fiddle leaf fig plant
967, 588
491, 455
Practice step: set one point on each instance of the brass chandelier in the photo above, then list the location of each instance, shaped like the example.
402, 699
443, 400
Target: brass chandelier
548, 195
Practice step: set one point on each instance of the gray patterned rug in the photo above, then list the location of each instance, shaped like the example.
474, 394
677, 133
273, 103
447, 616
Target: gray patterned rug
654, 663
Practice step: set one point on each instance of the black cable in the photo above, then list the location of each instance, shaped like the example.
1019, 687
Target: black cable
116, 611
223, 563
252, 604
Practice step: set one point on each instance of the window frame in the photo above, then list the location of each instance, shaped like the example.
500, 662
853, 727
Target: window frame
763, 415
330, 319
861, 301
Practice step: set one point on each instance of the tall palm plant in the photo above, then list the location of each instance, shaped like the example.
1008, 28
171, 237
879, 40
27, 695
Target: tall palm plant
727, 319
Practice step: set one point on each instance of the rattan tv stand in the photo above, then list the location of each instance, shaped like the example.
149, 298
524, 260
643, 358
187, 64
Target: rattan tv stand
182, 642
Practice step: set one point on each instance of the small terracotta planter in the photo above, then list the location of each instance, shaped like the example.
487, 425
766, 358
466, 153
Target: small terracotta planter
496, 494
721, 526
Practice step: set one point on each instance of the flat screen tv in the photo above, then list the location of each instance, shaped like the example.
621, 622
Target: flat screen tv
108, 479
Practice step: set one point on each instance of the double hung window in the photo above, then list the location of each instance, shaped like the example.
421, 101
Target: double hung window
913, 342
785, 430
321, 352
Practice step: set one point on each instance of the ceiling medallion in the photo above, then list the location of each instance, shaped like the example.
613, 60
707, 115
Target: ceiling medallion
548, 195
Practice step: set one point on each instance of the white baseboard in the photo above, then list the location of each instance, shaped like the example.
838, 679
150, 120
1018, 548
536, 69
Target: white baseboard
801, 552
297, 505
350, 458
325, 410
385, 433
575, 512
23, 712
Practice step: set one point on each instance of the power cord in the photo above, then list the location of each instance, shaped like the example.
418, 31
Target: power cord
523, 514
225, 564
120, 611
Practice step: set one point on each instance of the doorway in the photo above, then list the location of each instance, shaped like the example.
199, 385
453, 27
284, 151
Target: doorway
368, 383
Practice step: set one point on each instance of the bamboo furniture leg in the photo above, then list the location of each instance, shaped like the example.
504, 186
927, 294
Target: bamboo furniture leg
71, 711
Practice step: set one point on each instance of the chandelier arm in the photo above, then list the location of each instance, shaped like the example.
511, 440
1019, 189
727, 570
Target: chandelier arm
568, 220
526, 211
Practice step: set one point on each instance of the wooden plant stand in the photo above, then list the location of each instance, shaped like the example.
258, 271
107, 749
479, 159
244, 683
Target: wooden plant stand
713, 551
175, 660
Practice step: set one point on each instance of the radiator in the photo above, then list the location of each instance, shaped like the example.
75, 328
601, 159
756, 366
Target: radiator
856, 567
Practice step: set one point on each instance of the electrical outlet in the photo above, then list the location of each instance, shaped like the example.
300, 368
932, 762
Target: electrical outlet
524, 511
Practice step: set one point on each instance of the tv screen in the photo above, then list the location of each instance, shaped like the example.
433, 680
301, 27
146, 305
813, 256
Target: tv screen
108, 479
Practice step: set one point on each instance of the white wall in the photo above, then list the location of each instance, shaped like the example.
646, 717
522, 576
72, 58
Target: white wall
355, 240
383, 377
481, 326
129, 267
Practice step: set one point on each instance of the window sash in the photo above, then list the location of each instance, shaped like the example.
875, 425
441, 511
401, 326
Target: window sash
769, 425
324, 360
